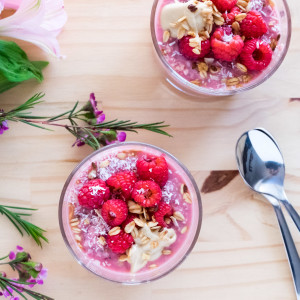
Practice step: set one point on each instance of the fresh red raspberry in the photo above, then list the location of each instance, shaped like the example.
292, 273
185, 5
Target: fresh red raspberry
121, 184
153, 168
224, 5
146, 193
225, 45
256, 55
229, 17
253, 26
129, 219
187, 51
93, 194
114, 212
120, 242
164, 210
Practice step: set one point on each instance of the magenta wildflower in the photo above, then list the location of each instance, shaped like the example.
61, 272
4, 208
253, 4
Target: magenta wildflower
121, 136
3, 127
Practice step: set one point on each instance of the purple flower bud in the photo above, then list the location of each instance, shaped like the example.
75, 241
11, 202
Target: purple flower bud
3, 274
38, 267
19, 248
121, 136
100, 118
12, 255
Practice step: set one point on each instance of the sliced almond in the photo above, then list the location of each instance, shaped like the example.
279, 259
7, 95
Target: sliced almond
187, 198
168, 221
123, 258
155, 227
180, 33
202, 66
183, 188
134, 233
104, 163
181, 19
76, 230
145, 256
152, 224
232, 81
145, 240
174, 221
102, 241
166, 252
74, 220
121, 155
166, 36
77, 237
139, 222
154, 244
114, 231
178, 216
196, 51
92, 174
203, 74
129, 227
73, 224
184, 229
153, 266
98, 213
236, 26
240, 17
162, 234
241, 67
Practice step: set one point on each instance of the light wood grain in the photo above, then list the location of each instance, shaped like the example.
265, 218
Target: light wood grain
239, 254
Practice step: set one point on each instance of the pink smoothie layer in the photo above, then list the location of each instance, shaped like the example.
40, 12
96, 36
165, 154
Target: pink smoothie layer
91, 224
226, 70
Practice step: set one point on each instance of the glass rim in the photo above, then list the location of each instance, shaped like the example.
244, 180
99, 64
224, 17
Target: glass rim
203, 91
184, 168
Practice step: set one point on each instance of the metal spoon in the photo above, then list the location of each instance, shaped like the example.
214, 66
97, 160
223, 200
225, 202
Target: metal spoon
265, 171
261, 165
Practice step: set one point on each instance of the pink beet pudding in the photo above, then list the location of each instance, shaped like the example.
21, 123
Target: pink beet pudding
130, 212
220, 47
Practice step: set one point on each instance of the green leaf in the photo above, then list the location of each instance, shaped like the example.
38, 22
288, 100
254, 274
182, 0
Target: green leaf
15, 67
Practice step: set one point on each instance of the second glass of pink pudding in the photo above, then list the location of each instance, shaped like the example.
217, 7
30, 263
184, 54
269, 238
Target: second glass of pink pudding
220, 47
130, 212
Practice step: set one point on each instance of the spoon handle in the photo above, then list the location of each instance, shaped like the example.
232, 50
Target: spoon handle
290, 247
293, 213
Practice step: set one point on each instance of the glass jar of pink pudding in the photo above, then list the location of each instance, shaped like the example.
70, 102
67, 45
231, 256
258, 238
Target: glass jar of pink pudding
220, 47
130, 212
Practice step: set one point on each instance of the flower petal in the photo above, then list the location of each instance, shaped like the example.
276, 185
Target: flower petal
121, 136
35, 21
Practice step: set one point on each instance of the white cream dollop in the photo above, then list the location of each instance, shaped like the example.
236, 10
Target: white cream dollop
141, 253
196, 18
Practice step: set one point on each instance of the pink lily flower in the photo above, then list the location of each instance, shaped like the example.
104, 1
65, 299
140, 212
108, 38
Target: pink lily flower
36, 21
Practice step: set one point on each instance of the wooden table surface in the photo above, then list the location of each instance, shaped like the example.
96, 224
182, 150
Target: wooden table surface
239, 253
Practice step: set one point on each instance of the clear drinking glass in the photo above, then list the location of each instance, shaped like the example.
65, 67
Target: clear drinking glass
150, 274
189, 88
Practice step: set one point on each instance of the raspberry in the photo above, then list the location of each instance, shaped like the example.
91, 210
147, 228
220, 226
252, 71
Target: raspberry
229, 17
164, 210
224, 5
114, 212
146, 193
120, 242
225, 45
256, 55
121, 184
187, 51
93, 194
153, 168
253, 26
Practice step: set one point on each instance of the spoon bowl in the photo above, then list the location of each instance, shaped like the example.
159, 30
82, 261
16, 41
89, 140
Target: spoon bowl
261, 165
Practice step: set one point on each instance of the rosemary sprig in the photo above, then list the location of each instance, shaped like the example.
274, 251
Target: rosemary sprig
17, 220
85, 123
